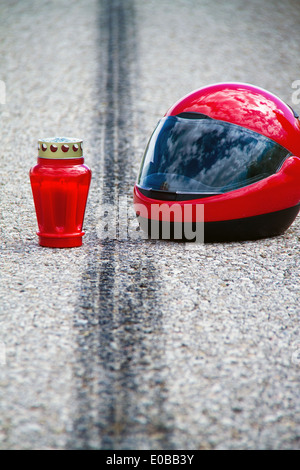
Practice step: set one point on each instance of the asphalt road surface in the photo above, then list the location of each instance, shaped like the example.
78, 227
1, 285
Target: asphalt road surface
128, 343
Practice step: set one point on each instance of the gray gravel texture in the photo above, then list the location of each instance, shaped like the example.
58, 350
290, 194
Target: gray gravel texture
126, 343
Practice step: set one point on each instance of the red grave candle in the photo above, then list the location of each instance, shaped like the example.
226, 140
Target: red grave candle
60, 184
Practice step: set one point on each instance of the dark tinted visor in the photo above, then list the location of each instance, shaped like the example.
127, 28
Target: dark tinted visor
204, 156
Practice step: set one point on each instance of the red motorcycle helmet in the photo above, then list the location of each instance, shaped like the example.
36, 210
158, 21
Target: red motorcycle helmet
233, 148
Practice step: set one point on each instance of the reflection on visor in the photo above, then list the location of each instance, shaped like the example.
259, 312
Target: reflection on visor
207, 156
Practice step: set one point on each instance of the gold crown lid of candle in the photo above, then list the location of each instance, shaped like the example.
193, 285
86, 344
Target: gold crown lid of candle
60, 147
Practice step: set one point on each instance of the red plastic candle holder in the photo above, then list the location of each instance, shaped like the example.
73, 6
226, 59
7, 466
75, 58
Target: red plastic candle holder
60, 184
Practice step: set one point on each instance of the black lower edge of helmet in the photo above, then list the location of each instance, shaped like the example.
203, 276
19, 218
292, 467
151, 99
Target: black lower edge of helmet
249, 228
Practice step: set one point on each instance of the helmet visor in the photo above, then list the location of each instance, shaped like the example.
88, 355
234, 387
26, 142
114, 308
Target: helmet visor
204, 156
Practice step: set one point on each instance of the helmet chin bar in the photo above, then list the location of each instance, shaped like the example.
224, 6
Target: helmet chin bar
264, 209
247, 228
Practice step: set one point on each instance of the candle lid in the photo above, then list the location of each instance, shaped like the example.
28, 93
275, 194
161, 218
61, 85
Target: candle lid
60, 147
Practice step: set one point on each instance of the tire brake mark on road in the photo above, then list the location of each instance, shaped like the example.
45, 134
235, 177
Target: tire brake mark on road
118, 317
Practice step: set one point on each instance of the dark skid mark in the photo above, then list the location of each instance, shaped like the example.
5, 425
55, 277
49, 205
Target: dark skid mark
118, 317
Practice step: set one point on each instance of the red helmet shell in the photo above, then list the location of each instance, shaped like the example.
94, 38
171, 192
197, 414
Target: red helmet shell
248, 106
265, 208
